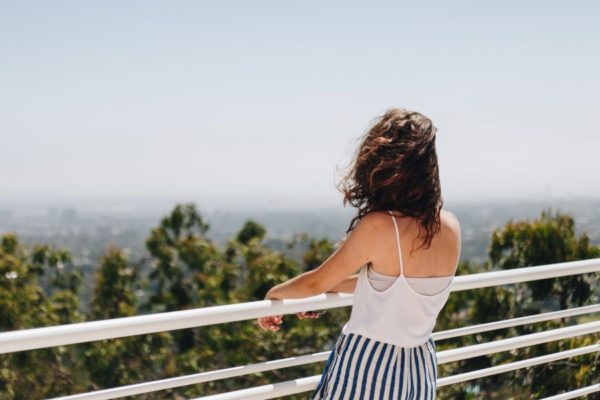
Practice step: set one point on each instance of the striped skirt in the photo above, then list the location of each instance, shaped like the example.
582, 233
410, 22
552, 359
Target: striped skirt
363, 368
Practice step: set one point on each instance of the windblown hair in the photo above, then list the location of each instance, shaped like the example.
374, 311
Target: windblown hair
396, 168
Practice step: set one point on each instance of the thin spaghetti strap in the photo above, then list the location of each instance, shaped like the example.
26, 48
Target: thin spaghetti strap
398, 243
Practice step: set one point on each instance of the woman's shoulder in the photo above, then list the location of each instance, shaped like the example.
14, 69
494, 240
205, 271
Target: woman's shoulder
451, 222
374, 220
450, 215
454, 240
377, 217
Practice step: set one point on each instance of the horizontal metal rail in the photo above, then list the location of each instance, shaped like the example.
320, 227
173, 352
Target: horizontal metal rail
310, 383
38, 338
530, 362
512, 322
575, 393
271, 391
52, 336
526, 274
202, 377
482, 349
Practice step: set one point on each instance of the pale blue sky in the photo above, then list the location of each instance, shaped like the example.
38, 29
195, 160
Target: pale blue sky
232, 100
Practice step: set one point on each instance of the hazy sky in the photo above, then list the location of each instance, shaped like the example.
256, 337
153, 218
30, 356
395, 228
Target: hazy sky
229, 100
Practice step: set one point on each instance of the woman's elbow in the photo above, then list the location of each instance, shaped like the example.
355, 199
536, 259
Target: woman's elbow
316, 285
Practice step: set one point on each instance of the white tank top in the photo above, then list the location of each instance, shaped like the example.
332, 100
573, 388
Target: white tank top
399, 314
429, 285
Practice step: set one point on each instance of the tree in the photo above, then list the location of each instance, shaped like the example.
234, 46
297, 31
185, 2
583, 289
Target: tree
181, 257
549, 239
128, 360
24, 304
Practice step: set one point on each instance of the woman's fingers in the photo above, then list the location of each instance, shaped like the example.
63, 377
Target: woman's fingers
270, 323
263, 323
309, 314
273, 322
260, 323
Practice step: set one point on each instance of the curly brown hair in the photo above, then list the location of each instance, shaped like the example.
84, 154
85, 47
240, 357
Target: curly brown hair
396, 168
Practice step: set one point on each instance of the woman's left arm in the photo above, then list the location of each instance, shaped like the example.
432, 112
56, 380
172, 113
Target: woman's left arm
353, 253
333, 274
301, 287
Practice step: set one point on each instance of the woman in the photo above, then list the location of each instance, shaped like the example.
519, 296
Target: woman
385, 350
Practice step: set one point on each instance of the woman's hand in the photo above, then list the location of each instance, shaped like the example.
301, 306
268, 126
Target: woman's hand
309, 314
270, 323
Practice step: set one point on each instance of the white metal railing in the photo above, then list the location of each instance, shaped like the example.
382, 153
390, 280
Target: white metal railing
37, 338
498, 369
445, 356
121, 327
576, 393
225, 373
508, 323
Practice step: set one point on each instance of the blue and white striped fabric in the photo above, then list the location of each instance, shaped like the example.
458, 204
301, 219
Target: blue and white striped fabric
360, 367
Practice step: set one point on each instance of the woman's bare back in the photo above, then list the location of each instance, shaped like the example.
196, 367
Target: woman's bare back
440, 259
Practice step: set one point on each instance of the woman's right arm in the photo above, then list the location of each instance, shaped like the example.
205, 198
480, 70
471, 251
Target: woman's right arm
346, 286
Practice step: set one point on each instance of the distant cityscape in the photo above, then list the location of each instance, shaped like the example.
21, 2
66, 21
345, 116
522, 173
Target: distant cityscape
87, 231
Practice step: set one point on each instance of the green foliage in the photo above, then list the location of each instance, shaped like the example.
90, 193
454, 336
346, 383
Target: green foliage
114, 293
549, 239
251, 230
318, 251
188, 268
40, 287
24, 303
